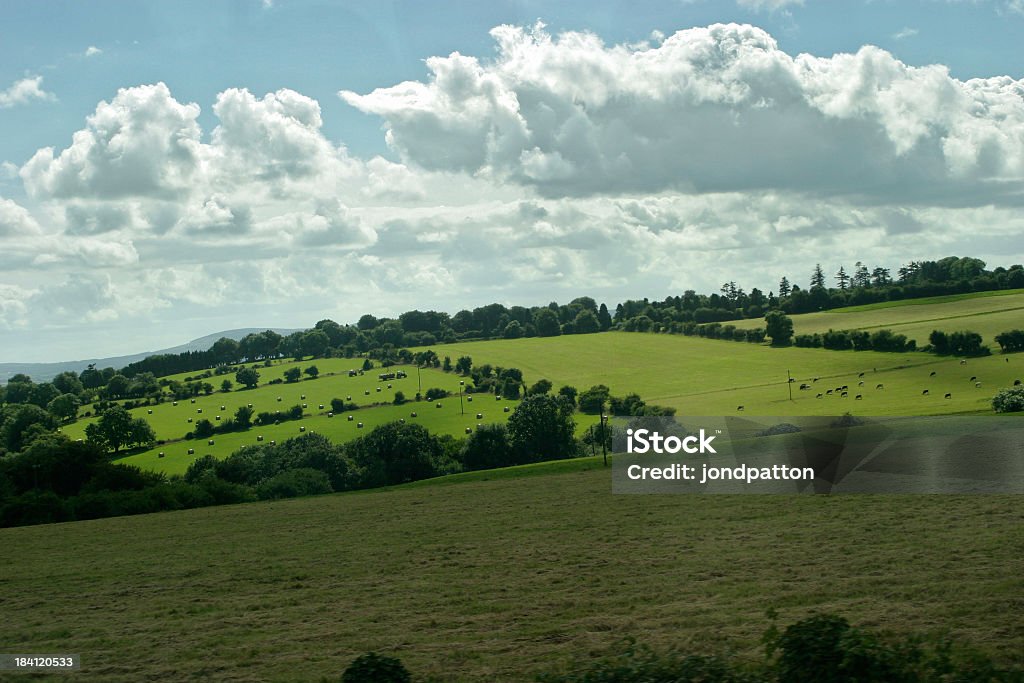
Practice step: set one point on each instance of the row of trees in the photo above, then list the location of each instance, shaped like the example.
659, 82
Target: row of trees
862, 285
50, 478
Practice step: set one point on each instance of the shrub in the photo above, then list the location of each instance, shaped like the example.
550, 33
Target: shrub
1009, 400
303, 481
375, 668
435, 393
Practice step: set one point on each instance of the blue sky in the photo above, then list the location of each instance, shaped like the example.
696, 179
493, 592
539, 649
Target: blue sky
332, 189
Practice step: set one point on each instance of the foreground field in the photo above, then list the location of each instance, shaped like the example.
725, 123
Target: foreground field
493, 580
987, 313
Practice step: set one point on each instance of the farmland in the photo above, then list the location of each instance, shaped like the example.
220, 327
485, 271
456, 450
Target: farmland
988, 314
696, 376
495, 575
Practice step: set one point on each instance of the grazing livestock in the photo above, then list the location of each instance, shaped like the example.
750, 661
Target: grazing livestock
739, 407
879, 386
963, 361
829, 392
858, 397
977, 385
815, 379
973, 379
861, 374
860, 383
804, 386
818, 396
924, 393
1016, 382
844, 394
949, 395
933, 374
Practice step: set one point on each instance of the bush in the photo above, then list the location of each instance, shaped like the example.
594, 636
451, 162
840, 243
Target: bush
1009, 400
303, 481
1011, 341
375, 668
435, 393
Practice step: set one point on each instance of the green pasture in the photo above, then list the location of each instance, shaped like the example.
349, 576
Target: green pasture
171, 421
693, 375
987, 313
715, 377
498, 575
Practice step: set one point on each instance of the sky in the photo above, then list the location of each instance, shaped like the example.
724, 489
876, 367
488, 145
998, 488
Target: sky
172, 169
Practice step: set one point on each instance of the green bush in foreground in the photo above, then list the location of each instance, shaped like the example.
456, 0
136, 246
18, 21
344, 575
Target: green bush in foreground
375, 668
820, 649
1009, 400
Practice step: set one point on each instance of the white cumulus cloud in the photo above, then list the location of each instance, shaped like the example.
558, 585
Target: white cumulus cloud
712, 109
23, 92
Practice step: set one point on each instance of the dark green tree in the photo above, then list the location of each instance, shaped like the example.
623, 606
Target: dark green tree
542, 428
250, 377
779, 327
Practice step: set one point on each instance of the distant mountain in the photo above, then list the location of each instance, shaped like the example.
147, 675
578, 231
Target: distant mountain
42, 372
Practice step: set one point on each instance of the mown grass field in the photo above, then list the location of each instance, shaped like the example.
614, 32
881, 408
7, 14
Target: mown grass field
987, 313
499, 575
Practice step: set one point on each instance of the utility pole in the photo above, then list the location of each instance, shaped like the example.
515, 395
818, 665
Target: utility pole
461, 406
604, 436
789, 383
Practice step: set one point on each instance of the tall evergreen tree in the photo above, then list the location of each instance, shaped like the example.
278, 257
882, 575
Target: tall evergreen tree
784, 288
842, 279
818, 277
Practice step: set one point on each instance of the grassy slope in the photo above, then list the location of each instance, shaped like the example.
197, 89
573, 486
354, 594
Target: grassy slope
987, 313
491, 580
696, 376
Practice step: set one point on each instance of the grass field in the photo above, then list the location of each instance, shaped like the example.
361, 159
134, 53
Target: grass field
498, 575
696, 376
713, 377
987, 313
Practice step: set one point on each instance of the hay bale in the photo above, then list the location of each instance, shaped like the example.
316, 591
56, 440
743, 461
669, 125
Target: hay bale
259, 438
350, 418
469, 430
413, 414
149, 412
160, 454
174, 403
302, 429
506, 409
191, 451
479, 416
438, 404
359, 425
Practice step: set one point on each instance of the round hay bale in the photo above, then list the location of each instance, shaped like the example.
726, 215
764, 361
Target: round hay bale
350, 418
